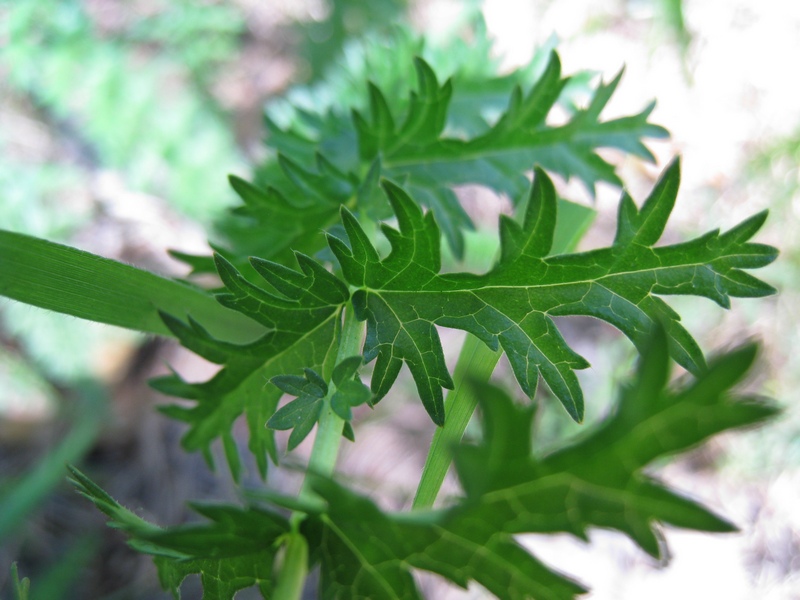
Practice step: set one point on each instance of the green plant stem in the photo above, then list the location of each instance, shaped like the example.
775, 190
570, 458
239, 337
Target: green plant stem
321, 462
476, 362
329, 429
295, 568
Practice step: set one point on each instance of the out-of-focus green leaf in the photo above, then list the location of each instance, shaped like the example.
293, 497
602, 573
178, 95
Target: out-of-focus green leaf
324, 40
61, 579
21, 588
234, 550
107, 90
598, 481
476, 128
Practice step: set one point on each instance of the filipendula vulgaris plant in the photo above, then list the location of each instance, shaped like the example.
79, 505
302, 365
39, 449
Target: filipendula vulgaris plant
308, 300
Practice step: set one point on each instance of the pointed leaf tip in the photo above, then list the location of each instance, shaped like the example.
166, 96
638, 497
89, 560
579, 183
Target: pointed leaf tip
540, 215
746, 229
426, 77
652, 218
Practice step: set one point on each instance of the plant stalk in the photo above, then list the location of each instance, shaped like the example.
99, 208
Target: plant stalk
329, 429
293, 571
476, 362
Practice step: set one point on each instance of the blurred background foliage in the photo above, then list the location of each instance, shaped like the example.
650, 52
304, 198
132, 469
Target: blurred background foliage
119, 120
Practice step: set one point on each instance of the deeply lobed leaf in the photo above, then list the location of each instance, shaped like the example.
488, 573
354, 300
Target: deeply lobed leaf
302, 321
477, 127
403, 297
601, 477
431, 138
600, 480
300, 414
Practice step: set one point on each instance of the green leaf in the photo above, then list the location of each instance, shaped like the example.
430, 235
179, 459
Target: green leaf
349, 394
346, 369
367, 553
519, 137
302, 317
347, 431
350, 391
266, 225
84, 285
302, 413
403, 297
476, 128
601, 477
233, 550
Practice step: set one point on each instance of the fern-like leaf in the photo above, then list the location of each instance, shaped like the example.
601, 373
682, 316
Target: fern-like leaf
232, 551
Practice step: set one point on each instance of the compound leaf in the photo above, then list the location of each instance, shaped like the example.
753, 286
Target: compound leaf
403, 297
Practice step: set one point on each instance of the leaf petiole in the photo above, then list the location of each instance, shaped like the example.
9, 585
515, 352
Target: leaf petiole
329, 429
294, 569
321, 462
476, 362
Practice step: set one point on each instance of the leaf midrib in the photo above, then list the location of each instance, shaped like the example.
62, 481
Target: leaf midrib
589, 281
492, 149
655, 422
